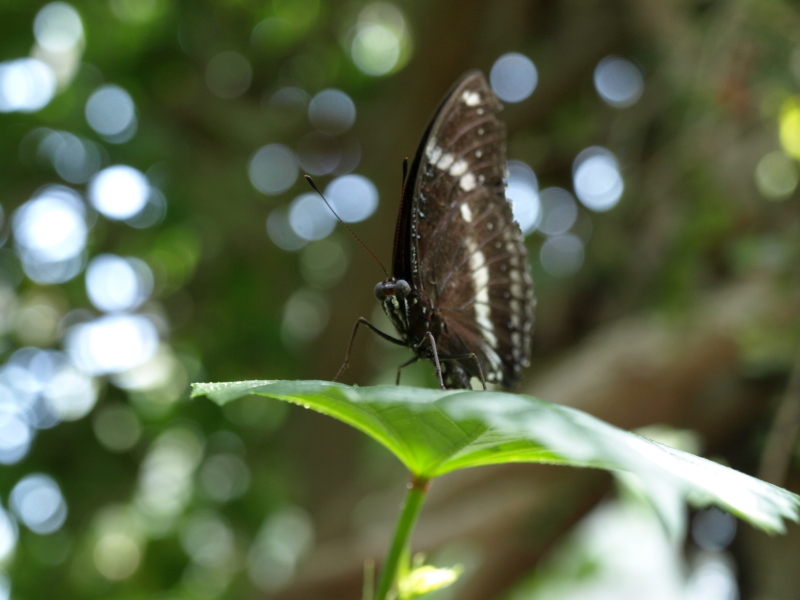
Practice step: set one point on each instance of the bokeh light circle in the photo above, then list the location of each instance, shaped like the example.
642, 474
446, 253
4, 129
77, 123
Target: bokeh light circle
559, 211
224, 477
112, 343
152, 213
353, 197
70, 394
618, 81
777, 175
9, 534
789, 126
281, 233
522, 191
305, 316
26, 85
350, 156
283, 539
273, 169
712, 577
713, 530
16, 434
46, 387
310, 218
597, 179
513, 77
75, 159
51, 272
332, 111
375, 49
119, 192
208, 540
117, 426
379, 43
37, 501
114, 283
117, 555
324, 263
562, 255
110, 111
319, 153
290, 101
51, 226
229, 75
58, 27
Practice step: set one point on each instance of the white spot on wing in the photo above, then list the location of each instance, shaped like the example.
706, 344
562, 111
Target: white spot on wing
467, 182
459, 168
466, 213
471, 98
480, 279
433, 152
493, 357
445, 161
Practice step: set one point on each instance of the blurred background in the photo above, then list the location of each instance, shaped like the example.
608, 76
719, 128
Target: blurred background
156, 231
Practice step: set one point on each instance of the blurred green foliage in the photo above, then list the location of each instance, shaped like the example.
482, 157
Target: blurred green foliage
172, 499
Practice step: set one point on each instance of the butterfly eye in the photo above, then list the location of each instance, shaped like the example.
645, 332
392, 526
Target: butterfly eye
381, 291
402, 289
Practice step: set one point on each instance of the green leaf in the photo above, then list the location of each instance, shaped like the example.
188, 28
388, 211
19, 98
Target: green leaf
434, 432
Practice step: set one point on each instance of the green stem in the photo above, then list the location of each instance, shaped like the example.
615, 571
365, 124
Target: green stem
368, 593
405, 525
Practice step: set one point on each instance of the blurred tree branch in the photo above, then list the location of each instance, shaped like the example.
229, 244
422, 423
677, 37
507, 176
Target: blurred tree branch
782, 437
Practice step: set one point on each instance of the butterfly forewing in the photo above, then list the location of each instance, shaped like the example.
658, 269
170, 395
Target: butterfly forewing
458, 246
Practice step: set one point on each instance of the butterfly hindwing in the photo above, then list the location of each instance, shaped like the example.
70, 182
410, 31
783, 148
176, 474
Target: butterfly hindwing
458, 245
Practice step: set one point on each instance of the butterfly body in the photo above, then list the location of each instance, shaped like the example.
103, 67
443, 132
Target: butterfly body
461, 291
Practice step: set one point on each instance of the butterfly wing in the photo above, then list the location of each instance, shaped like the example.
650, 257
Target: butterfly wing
458, 244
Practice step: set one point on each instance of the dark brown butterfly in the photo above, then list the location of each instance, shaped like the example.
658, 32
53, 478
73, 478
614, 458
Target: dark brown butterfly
461, 292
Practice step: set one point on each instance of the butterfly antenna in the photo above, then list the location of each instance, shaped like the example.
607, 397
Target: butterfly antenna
358, 239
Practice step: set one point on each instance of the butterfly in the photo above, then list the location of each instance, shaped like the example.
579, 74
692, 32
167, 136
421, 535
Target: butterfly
461, 292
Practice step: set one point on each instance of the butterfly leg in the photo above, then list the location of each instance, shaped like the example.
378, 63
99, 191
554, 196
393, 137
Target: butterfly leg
360, 321
474, 357
403, 366
434, 355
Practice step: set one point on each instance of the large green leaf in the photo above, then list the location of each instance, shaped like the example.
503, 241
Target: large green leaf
434, 432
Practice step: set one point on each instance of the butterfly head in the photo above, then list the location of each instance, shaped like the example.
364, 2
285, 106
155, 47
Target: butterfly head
389, 288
